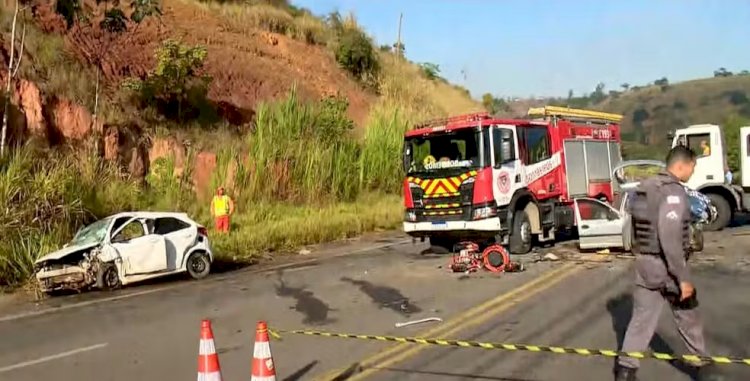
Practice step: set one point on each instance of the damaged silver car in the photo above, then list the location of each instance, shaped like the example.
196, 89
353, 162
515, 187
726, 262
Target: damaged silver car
127, 248
609, 226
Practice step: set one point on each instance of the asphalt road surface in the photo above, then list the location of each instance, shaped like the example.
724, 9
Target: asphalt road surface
151, 332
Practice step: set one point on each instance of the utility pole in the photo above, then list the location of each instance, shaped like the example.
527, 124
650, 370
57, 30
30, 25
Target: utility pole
398, 43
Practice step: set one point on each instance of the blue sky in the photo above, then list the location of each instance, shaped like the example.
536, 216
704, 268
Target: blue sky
535, 47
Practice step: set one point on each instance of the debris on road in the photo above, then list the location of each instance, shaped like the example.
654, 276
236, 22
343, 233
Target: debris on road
550, 257
420, 321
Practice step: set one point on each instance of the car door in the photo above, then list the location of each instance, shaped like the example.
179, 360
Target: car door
599, 225
179, 236
141, 251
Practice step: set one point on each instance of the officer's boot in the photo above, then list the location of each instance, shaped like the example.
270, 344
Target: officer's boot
623, 373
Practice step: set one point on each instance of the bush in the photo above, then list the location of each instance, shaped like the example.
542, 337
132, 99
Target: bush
174, 87
356, 54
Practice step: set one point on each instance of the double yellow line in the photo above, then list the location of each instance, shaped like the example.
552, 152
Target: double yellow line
472, 317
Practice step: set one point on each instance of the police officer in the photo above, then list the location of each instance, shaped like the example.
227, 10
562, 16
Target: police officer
661, 217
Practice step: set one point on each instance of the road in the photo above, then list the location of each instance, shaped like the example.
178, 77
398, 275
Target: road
151, 332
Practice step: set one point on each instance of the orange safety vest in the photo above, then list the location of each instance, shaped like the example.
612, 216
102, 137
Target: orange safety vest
221, 205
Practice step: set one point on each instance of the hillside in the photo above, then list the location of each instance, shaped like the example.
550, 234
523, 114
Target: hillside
300, 117
651, 112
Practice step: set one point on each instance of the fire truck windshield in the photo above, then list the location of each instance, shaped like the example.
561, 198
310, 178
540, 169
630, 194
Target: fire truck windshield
450, 151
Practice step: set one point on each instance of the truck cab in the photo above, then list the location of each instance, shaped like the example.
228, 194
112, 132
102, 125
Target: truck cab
711, 176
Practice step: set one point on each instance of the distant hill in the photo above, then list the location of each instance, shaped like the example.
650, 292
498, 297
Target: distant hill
651, 111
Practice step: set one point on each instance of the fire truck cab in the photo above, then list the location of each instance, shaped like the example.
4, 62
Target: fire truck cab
478, 178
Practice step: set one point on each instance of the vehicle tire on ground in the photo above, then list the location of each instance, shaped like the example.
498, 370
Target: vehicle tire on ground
627, 237
198, 266
442, 245
723, 213
520, 234
696, 239
107, 278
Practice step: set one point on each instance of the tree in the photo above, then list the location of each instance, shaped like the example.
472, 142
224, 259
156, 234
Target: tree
598, 95
663, 83
174, 86
430, 70
112, 26
625, 86
745, 72
494, 105
722, 72
14, 63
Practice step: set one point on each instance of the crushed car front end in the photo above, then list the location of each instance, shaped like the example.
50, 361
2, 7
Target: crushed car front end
75, 270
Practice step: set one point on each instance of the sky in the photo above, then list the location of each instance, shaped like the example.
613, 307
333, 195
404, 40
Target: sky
546, 48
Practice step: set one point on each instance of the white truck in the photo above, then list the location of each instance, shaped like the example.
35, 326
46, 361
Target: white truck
710, 176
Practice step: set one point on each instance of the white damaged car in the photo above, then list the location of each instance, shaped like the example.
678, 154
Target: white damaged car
602, 225
127, 248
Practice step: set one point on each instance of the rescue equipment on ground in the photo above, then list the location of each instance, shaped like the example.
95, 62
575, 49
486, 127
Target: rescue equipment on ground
467, 258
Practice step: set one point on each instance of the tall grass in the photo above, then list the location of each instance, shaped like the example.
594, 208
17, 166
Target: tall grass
47, 196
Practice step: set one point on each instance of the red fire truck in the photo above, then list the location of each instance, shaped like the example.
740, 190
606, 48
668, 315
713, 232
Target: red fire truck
474, 177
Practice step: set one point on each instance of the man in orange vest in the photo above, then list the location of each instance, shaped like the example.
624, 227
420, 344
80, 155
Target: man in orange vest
222, 207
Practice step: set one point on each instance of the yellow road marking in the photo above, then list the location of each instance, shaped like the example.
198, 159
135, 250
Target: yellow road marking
473, 316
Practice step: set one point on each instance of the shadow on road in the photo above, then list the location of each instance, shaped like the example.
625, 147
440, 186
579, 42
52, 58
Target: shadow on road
315, 310
621, 309
385, 296
458, 376
300, 373
357, 368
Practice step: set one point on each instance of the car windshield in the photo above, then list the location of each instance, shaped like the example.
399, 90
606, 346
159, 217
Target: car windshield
93, 233
452, 151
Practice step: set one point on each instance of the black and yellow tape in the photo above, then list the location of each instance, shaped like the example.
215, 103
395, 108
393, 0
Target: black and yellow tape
523, 347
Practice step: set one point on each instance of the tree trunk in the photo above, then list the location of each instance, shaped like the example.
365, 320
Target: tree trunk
4, 132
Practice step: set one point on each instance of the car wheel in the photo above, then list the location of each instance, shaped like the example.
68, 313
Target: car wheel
520, 236
198, 265
107, 278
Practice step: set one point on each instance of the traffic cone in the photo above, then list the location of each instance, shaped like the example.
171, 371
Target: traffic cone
263, 369
208, 360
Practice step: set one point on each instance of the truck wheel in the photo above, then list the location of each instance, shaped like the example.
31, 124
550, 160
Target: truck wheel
520, 235
442, 245
723, 213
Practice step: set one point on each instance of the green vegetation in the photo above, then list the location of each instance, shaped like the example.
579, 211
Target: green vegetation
304, 175
304, 180
174, 87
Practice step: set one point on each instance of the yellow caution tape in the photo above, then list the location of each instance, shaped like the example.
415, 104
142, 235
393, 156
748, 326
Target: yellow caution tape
526, 348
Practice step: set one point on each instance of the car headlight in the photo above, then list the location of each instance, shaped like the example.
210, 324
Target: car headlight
484, 212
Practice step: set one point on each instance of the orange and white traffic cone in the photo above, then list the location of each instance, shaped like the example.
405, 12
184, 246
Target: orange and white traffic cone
208, 360
263, 369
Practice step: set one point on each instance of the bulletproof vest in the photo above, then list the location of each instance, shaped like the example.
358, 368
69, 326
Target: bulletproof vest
644, 210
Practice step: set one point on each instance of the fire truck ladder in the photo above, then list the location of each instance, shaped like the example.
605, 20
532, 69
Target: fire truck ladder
574, 114
475, 117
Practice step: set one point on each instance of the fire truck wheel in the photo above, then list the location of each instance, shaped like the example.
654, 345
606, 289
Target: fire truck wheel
441, 245
520, 235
